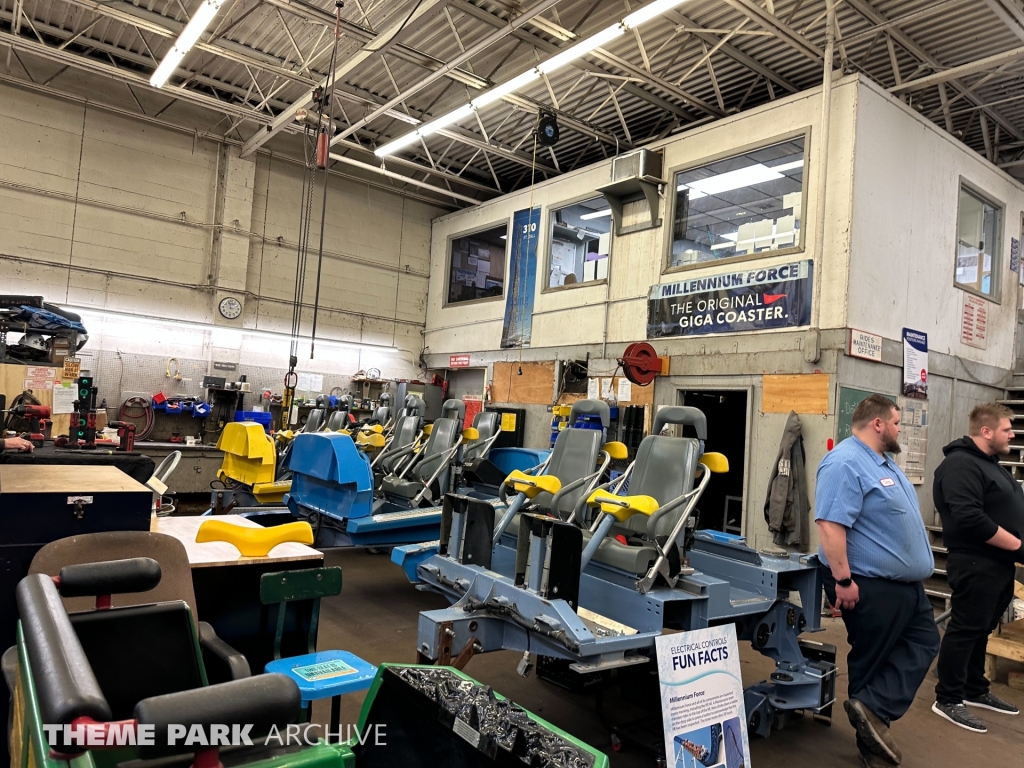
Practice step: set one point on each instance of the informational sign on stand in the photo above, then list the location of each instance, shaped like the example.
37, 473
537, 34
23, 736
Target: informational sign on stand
915, 364
702, 699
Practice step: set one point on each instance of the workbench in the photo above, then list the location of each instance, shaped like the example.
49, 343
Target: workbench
227, 588
196, 470
134, 464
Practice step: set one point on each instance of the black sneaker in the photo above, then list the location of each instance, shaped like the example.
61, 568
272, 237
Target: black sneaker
958, 715
993, 702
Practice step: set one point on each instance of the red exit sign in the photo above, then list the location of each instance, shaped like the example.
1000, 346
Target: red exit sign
458, 361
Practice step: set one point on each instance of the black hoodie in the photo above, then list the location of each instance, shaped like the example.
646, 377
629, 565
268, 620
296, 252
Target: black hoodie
975, 496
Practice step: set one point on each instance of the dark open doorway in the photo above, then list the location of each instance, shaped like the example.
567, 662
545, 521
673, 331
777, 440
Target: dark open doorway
721, 506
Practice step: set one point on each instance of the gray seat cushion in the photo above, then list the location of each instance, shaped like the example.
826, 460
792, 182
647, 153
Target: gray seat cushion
405, 432
664, 470
574, 456
486, 423
396, 486
632, 559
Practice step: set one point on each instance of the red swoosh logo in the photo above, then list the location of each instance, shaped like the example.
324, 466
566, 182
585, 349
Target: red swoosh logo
771, 298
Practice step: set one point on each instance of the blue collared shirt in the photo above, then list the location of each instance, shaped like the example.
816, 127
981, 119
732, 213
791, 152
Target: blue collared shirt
870, 496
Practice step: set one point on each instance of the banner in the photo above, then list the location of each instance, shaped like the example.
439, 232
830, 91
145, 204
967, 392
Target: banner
702, 699
518, 326
915, 364
752, 300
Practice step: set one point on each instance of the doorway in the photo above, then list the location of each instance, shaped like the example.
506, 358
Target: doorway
721, 506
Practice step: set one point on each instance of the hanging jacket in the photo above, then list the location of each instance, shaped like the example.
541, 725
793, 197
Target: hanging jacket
786, 509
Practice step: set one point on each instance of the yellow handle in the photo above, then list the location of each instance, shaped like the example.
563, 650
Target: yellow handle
623, 507
254, 542
370, 440
470, 433
532, 486
427, 429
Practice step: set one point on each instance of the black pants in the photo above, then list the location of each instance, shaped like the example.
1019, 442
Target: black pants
982, 589
893, 640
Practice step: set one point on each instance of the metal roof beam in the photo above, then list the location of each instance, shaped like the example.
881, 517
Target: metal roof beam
875, 17
404, 52
981, 65
782, 30
735, 53
1009, 14
482, 45
544, 46
923, 13
379, 44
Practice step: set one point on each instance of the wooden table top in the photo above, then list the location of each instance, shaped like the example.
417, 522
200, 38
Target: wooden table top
66, 478
214, 553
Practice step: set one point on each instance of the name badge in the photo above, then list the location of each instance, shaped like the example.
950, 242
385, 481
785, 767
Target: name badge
888, 482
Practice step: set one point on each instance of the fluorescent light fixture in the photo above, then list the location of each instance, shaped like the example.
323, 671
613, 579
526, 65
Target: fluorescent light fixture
101, 314
504, 89
596, 214
649, 11
444, 120
521, 80
789, 166
725, 182
580, 49
189, 35
400, 143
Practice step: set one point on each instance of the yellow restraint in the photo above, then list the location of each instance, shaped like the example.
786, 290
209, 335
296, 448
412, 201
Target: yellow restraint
271, 493
254, 542
623, 507
531, 486
715, 462
369, 441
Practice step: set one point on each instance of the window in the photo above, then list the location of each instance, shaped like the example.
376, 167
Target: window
977, 242
580, 241
477, 265
748, 205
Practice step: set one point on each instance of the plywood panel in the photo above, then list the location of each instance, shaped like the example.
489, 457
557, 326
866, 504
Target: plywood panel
12, 384
535, 387
806, 393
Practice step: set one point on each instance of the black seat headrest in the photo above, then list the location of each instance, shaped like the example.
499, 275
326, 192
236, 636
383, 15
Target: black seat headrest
113, 577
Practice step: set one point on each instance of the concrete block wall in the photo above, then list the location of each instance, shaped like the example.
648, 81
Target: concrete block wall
125, 217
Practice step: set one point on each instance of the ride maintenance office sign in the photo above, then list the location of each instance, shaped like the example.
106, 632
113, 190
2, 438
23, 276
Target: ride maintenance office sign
751, 300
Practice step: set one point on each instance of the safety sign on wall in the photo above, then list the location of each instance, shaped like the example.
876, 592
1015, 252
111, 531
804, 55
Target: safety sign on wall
702, 699
915, 363
751, 300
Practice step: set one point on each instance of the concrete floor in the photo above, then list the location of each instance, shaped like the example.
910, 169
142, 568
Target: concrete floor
375, 618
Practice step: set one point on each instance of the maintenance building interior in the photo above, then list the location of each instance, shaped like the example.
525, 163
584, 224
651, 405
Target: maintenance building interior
247, 245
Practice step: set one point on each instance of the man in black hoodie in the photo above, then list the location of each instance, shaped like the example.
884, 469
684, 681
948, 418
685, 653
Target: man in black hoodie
982, 510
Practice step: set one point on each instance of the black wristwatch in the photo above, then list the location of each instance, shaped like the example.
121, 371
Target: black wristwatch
845, 582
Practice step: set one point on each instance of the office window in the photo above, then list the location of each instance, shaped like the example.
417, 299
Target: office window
477, 265
977, 242
748, 205
580, 240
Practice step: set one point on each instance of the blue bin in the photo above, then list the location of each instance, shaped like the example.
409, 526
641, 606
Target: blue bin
260, 417
508, 459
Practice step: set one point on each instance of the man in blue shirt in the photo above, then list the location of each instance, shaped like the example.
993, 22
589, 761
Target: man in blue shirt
874, 554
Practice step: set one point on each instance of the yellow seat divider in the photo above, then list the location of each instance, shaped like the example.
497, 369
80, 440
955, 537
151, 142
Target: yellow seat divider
271, 493
470, 433
370, 440
254, 542
623, 507
616, 450
715, 462
249, 455
533, 485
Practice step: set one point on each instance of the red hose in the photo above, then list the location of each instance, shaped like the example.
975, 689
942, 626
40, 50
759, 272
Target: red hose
134, 403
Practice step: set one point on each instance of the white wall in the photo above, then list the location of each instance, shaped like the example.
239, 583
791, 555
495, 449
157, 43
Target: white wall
906, 189
577, 315
103, 211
